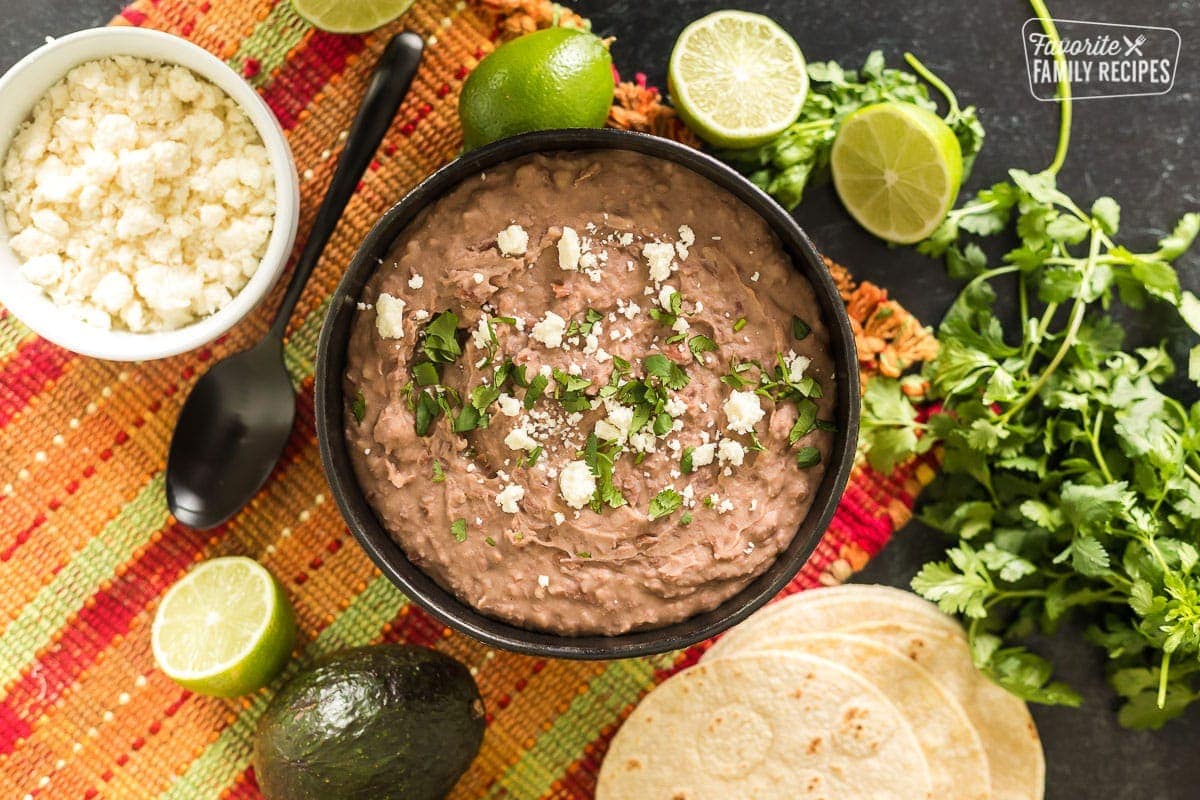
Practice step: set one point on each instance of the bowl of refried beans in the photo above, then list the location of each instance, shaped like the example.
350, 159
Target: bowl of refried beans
587, 394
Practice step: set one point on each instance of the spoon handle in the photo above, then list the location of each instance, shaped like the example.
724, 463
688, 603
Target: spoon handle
387, 88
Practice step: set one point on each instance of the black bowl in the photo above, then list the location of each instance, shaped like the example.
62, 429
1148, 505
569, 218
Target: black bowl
388, 555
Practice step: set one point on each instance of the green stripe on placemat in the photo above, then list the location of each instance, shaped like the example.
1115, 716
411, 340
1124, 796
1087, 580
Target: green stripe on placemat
12, 333
271, 41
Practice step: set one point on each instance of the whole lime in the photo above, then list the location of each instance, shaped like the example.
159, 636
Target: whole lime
553, 78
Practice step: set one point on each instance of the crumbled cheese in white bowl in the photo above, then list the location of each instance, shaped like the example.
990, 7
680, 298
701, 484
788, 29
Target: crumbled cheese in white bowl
245, 235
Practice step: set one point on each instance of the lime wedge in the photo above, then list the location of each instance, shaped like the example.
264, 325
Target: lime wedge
737, 79
897, 168
224, 629
350, 16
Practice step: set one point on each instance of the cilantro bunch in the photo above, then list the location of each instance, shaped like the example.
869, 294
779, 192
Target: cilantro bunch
1070, 480
784, 166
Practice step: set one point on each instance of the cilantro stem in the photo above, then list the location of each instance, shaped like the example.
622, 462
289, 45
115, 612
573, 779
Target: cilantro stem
935, 82
1074, 322
1191, 473
1162, 679
971, 208
1064, 86
1023, 297
1094, 438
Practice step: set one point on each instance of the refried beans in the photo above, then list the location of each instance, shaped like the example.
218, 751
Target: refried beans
588, 393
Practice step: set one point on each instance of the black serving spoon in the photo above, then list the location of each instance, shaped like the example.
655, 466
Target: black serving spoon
232, 429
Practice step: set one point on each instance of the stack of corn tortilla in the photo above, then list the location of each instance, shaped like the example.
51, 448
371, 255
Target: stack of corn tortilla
832, 694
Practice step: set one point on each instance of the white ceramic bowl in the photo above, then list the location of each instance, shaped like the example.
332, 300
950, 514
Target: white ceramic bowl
20, 89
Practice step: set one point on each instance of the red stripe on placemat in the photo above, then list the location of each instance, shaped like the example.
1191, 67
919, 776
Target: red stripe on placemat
27, 372
133, 16
306, 73
105, 615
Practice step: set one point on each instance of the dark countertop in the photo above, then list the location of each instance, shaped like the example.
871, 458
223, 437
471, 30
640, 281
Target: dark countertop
1140, 150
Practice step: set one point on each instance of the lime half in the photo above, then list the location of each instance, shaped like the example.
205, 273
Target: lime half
897, 168
737, 79
225, 629
350, 16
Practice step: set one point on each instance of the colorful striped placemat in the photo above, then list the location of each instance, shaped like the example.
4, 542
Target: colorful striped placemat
87, 544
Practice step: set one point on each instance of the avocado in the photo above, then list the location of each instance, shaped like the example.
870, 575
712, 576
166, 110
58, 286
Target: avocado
385, 722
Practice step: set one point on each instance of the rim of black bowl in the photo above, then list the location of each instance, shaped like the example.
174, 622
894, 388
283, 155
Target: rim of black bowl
442, 604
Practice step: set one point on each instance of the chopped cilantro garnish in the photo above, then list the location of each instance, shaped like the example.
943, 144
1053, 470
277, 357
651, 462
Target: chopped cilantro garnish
662, 424
441, 339
807, 457
741, 323
531, 458
600, 463
428, 409
800, 328
685, 518
537, 385
359, 407
577, 328
806, 420
483, 396
708, 501
467, 420
508, 371
685, 461
426, 374
489, 541
571, 391
459, 529
664, 503
700, 344
583, 554
439, 475
664, 368
826, 425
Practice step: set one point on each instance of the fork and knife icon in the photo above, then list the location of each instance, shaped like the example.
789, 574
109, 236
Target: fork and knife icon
1134, 46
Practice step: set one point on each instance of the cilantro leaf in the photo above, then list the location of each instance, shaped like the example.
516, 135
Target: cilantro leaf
686, 465
699, 345
807, 457
439, 476
459, 528
664, 503
537, 386
359, 406
441, 339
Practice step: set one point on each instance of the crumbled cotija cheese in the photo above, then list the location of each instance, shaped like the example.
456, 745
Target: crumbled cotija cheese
743, 411
138, 195
577, 484
389, 316
510, 497
512, 241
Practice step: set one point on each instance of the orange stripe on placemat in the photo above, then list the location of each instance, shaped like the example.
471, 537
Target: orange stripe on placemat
104, 616
28, 371
307, 72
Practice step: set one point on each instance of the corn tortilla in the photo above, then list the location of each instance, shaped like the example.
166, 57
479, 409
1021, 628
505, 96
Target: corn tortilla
773, 726
951, 745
